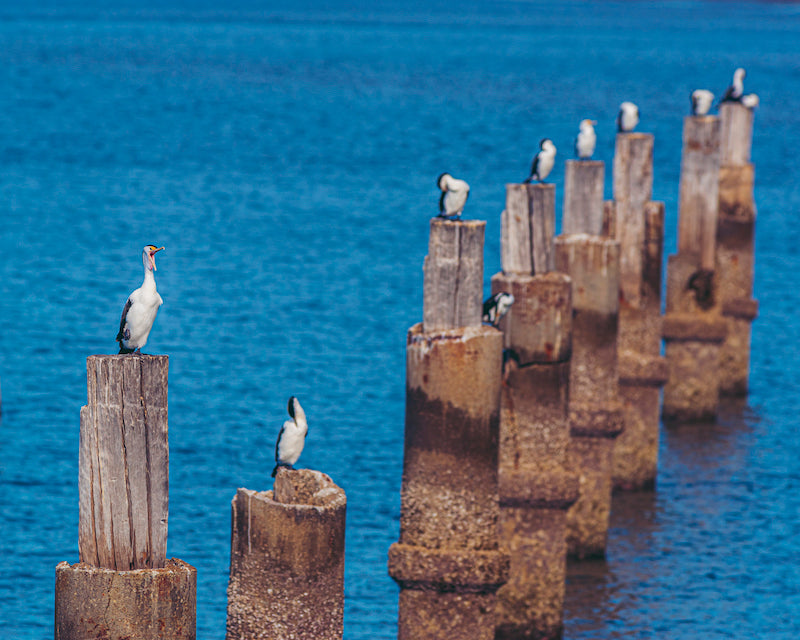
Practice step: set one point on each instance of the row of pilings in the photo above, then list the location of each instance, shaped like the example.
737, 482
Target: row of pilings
515, 438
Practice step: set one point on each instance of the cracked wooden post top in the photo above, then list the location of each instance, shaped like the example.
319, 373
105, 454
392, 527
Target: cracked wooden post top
527, 229
453, 289
124, 463
583, 197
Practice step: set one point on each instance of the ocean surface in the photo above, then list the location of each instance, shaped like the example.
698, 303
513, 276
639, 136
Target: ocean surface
287, 159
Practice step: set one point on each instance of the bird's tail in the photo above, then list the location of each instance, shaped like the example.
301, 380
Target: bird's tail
275, 470
124, 349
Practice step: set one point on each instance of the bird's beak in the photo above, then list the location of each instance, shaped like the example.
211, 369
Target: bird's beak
153, 252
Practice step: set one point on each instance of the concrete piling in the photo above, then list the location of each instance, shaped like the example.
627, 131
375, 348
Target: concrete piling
287, 560
593, 264
536, 489
693, 331
448, 562
639, 227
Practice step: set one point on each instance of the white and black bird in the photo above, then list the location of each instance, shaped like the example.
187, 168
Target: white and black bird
543, 161
454, 196
736, 90
496, 306
586, 140
141, 307
750, 100
628, 117
702, 99
291, 438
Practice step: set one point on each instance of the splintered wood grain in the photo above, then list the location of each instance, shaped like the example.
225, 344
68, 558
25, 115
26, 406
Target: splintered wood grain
633, 189
515, 233
154, 378
87, 546
736, 133
453, 283
543, 226
698, 199
123, 463
583, 197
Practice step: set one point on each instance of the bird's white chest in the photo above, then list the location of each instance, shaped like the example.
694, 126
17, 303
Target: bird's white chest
586, 143
292, 441
144, 307
455, 198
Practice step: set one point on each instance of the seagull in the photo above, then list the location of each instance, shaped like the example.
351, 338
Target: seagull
496, 306
291, 438
628, 117
543, 161
750, 100
141, 307
454, 196
735, 91
702, 99
586, 140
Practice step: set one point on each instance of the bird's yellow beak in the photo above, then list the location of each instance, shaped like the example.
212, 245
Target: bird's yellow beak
156, 250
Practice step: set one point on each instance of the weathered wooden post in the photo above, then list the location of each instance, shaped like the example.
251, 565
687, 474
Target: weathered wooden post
639, 228
536, 489
287, 559
124, 586
593, 264
735, 260
693, 331
447, 562
583, 197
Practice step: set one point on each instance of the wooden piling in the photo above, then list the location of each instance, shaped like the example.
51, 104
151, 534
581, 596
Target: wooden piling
583, 197
536, 488
735, 236
593, 264
638, 224
124, 583
527, 228
453, 291
693, 332
448, 562
287, 559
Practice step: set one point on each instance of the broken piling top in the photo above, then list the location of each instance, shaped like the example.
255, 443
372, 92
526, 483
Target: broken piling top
583, 197
527, 229
287, 559
453, 289
736, 133
698, 201
124, 463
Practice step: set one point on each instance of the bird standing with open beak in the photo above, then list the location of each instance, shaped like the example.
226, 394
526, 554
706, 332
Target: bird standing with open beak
141, 307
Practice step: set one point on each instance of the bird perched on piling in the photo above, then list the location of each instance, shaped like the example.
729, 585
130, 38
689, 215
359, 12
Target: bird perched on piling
735, 91
543, 161
141, 307
586, 140
628, 117
750, 100
496, 306
454, 196
292, 437
702, 99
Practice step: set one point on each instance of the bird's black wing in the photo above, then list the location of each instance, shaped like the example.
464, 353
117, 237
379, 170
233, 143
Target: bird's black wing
441, 201
121, 334
694, 106
489, 303
278, 441
619, 121
577, 153
534, 168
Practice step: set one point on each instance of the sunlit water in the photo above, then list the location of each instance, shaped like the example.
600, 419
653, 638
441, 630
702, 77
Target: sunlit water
287, 159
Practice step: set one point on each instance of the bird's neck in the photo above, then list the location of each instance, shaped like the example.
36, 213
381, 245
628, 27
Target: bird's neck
149, 279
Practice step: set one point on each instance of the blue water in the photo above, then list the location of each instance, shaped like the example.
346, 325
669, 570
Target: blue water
287, 159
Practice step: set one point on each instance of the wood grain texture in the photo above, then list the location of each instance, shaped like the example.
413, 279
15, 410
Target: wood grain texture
736, 133
515, 235
633, 189
453, 287
583, 197
698, 200
542, 199
123, 463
